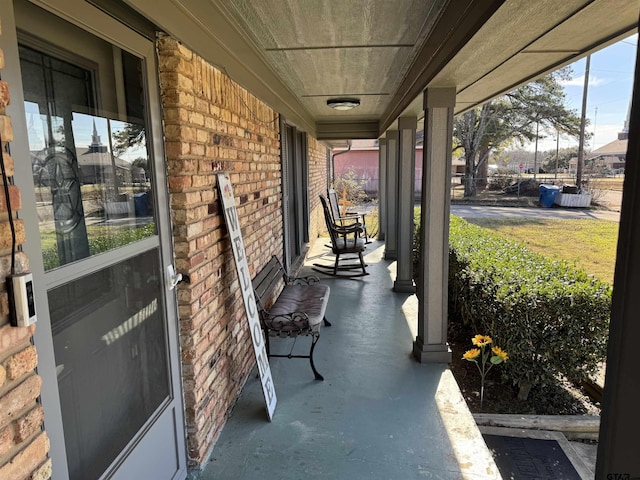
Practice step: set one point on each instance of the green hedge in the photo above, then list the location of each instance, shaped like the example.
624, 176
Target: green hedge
551, 317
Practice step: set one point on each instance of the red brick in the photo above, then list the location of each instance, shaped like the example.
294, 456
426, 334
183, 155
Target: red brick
179, 182
14, 197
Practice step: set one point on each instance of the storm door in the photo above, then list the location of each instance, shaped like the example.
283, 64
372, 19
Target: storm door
93, 129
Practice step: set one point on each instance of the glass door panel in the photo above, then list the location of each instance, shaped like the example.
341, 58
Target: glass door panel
90, 168
92, 163
109, 340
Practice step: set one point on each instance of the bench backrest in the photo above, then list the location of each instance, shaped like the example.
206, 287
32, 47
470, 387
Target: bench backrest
267, 281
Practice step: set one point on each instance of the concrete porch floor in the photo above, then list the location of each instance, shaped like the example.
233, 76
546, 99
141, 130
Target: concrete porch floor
378, 415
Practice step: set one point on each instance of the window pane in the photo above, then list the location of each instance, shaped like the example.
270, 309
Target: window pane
110, 349
90, 164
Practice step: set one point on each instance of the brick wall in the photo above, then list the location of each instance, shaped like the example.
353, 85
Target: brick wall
23, 443
212, 125
318, 175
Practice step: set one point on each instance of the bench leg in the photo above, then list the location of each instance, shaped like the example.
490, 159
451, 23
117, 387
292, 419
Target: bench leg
266, 342
327, 323
314, 340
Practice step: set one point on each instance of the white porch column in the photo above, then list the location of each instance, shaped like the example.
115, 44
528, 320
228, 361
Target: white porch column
382, 188
406, 188
431, 342
391, 232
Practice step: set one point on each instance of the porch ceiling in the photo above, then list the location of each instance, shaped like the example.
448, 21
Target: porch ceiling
296, 54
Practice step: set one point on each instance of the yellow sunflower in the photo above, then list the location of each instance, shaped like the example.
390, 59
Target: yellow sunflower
471, 354
481, 340
500, 353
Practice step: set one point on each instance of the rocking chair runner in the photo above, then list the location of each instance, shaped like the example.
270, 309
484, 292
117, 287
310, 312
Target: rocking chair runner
345, 239
345, 217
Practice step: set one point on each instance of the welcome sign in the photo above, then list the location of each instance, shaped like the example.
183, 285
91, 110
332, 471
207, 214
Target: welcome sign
259, 347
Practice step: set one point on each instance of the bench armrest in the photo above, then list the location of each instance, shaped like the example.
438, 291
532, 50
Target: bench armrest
289, 324
310, 280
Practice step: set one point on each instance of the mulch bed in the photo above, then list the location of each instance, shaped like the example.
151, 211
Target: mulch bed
562, 398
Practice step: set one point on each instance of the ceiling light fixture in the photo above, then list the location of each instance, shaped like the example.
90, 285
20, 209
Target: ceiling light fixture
343, 103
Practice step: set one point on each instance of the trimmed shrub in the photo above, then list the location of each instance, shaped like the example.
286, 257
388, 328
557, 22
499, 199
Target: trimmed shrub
550, 316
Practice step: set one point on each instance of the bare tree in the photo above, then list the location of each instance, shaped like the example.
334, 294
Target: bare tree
513, 118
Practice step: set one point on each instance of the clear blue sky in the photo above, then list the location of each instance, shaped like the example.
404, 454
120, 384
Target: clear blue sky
609, 94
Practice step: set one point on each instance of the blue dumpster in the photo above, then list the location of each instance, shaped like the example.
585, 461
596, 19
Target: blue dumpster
141, 204
548, 194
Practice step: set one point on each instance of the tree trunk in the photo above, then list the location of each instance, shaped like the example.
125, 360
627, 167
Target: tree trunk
483, 173
469, 179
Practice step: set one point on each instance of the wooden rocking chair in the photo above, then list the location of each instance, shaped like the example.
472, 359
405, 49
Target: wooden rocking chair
345, 239
345, 217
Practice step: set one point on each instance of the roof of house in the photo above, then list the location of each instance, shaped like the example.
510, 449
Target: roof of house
617, 147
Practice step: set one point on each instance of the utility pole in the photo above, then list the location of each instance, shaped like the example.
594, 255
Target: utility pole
535, 155
557, 152
583, 119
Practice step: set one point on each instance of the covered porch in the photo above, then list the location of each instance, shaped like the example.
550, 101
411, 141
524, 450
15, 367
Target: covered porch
378, 414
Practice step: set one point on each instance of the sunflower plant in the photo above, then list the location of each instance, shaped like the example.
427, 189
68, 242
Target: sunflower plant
485, 356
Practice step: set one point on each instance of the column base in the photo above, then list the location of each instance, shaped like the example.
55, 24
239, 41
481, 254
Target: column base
390, 255
431, 353
380, 237
404, 286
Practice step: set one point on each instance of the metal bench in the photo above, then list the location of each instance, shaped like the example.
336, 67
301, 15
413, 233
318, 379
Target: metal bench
298, 310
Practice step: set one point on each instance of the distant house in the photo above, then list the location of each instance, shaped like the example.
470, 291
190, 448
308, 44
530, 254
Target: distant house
362, 161
610, 157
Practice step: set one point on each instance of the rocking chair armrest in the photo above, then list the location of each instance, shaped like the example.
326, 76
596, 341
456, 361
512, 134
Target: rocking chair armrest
347, 229
349, 216
285, 324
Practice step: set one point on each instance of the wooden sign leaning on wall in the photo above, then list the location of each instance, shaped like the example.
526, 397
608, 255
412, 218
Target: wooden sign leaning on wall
235, 234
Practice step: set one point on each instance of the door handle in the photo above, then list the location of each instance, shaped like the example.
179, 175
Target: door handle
173, 278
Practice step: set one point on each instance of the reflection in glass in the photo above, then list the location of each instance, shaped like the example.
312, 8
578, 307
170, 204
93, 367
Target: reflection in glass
90, 169
110, 349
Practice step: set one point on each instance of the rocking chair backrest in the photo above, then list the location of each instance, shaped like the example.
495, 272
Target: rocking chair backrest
329, 221
333, 203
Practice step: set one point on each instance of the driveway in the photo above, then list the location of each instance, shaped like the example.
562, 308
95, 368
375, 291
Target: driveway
472, 211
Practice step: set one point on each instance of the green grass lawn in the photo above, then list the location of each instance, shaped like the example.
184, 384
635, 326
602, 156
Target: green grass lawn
590, 243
